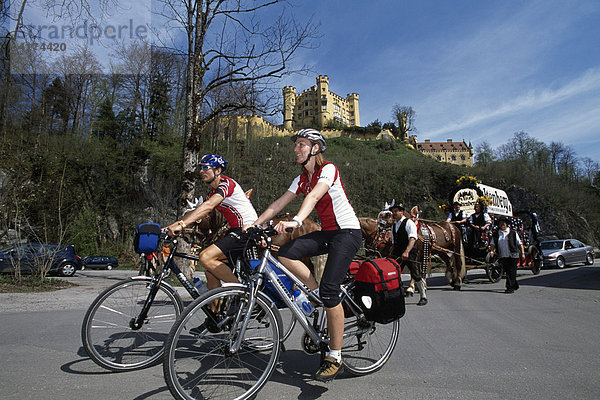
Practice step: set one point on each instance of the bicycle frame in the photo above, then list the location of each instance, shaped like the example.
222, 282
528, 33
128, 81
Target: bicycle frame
264, 270
138, 322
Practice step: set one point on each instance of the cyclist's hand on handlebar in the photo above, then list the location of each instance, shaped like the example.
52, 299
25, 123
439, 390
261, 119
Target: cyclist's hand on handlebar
174, 230
285, 226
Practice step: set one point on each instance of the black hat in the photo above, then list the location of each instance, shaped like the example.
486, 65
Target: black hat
399, 206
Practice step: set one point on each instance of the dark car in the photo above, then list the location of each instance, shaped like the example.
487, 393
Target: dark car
30, 257
562, 252
100, 262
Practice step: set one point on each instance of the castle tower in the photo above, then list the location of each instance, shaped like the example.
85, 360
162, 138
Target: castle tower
353, 109
289, 103
322, 94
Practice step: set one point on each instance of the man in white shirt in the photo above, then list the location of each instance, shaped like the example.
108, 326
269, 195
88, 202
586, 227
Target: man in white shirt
404, 237
509, 247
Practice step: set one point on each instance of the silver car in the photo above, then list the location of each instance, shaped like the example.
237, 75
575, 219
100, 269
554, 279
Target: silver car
562, 252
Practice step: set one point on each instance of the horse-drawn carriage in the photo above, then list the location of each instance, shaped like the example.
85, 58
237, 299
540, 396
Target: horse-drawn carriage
461, 248
496, 204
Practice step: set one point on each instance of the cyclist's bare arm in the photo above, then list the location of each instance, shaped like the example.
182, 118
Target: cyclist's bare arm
194, 215
306, 208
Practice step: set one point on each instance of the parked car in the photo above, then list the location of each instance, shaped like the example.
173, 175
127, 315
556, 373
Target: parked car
29, 257
100, 262
562, 252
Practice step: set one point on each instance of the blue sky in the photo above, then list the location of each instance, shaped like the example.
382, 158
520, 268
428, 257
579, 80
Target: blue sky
472, 70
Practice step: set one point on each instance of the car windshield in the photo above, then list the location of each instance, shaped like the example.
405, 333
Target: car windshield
556, 245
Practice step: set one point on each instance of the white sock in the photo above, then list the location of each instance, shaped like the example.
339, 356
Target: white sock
337, 354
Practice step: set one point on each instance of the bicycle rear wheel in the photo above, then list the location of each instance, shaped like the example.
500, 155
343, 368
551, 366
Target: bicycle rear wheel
367, 345
198, 363
106, 332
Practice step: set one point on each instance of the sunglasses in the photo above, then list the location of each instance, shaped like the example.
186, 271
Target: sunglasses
205, 167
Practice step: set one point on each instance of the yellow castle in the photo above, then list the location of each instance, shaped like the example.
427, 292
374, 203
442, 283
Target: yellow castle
317, 106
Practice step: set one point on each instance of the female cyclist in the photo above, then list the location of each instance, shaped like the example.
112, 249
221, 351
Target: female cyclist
340, 237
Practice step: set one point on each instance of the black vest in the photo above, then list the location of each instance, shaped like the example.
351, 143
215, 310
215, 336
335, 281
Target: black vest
457, 217
512, 241
478, 219
400, 238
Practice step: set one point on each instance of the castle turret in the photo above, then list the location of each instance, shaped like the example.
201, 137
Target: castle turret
322, 91
352, 100
289, 103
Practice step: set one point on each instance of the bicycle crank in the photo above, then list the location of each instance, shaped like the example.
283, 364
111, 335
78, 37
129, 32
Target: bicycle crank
309, 345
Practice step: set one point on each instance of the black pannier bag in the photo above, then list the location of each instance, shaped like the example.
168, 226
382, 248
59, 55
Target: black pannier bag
379, 290
146, 238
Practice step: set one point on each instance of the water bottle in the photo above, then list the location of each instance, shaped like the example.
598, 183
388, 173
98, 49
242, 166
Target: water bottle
303, 302
200, 286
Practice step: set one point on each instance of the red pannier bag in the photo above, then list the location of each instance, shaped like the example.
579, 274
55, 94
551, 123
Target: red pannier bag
378, 290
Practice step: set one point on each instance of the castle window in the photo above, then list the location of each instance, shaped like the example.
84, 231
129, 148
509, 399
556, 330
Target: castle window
462, 158
324, 97
299, 107
439, 158
324, 107
306, 103
453, 158
310, 112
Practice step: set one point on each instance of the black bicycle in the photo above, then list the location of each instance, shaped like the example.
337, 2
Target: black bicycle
227, 342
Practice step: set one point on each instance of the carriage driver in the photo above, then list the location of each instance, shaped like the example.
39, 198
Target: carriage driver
457, 216
404, 237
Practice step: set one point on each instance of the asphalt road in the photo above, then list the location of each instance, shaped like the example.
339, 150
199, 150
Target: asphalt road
543, 342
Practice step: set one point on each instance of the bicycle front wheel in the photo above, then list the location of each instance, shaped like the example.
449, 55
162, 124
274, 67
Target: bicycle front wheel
368, 345
199, 361
106, 333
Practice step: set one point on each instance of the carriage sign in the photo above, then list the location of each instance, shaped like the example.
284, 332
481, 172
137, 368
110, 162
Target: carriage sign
500, 203
467, 198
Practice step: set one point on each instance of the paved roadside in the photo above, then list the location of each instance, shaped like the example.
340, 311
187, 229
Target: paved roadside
89, 283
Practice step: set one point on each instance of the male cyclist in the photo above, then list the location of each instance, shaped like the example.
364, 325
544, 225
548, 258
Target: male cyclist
227, 197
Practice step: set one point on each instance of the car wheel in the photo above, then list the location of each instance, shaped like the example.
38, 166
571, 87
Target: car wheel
560, 262
589, 259
67, 269
109, 267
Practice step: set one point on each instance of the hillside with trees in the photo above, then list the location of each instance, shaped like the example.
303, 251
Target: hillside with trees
92, 192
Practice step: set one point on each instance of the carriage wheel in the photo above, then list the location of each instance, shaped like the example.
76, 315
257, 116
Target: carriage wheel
493, 269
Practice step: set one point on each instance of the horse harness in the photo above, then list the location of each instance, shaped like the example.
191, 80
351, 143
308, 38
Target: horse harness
428, 237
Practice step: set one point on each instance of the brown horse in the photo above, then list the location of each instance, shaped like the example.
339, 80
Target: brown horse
440, 239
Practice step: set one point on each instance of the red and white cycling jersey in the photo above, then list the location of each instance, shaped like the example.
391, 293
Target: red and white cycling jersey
235, 207
334, 209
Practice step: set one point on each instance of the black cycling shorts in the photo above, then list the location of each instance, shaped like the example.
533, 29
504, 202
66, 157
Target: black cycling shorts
233, 244
339, 245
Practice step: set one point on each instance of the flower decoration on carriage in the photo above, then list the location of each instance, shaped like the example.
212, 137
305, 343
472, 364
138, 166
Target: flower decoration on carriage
445, 208
484, 201
467, 181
